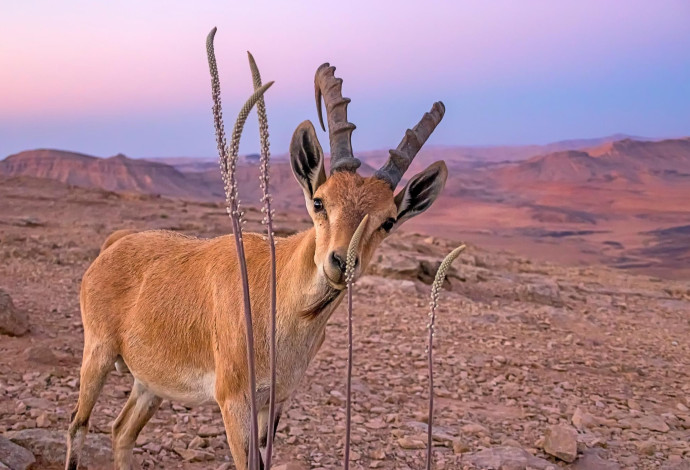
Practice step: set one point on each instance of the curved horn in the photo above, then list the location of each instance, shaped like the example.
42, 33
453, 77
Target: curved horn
339, 129
401, 158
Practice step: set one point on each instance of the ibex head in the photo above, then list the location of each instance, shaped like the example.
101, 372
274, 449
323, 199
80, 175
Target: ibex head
338, 203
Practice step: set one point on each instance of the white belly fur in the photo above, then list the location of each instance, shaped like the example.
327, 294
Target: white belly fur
195, 388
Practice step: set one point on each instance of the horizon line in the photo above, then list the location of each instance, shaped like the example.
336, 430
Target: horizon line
616, 137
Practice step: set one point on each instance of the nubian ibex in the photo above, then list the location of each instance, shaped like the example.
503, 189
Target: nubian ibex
168, 307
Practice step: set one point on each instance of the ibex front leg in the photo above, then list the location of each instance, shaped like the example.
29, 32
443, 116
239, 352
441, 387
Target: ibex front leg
236, 416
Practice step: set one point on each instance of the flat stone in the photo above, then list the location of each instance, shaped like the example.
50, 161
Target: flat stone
375, 424
511, 443
646, 447
153, 447
40, 403
591, 460
291, 466
43, 420
396, 266
561, 442
13, 456
460, 446
473, 428
653, 423
439, 434
583, 420
506, 458
193, 455
409, 443
41, 355
50, 447
210, 431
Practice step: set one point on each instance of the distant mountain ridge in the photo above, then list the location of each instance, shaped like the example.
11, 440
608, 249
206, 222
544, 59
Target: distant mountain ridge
121, 173
117, 173
482, 155
456, 156
625, 160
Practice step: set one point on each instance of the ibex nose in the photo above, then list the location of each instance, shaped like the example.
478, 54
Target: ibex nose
338, 260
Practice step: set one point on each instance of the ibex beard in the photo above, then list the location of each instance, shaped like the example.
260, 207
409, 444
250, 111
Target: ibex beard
169, 307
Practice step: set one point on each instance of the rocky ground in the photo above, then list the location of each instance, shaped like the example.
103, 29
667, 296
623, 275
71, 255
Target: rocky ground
537, 366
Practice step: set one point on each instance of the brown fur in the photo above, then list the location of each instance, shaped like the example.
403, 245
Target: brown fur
115, 236
170, 307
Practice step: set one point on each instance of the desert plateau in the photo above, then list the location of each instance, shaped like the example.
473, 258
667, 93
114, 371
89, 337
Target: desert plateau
563, 335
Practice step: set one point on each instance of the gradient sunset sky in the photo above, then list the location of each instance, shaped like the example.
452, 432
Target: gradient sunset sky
131, 76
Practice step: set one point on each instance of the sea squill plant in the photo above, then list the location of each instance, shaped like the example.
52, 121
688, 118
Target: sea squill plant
228, 165
350, 263
268, 221
433, 305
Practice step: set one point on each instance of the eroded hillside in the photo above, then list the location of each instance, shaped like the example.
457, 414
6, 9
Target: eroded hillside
620, 203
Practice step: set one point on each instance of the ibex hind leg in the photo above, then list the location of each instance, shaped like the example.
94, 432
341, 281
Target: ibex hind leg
139, 409
96, 364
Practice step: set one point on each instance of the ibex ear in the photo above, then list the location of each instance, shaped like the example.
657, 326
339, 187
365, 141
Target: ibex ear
420, 192
306, 158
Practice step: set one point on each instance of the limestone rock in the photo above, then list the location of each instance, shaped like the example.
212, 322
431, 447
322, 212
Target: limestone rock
291, 466
43, 420
460, 446
591, 460
13, 456
49, 446
197, 443
12, 321
396, 266
545, 292
646, 447
506, 458
561, 442
653, 423
41, 355
474, 429
409, 443
583, 420
210, 431
193, 455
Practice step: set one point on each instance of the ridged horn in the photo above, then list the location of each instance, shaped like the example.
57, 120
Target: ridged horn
329, 87
401, 158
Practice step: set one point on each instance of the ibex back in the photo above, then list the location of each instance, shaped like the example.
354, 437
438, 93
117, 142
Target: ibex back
169, 307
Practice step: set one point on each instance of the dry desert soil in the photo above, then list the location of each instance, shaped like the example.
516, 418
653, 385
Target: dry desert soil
534, 361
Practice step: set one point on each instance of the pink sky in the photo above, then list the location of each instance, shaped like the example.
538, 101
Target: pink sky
131, 76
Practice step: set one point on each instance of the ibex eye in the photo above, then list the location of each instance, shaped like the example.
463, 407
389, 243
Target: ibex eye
388, 224
318, 205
